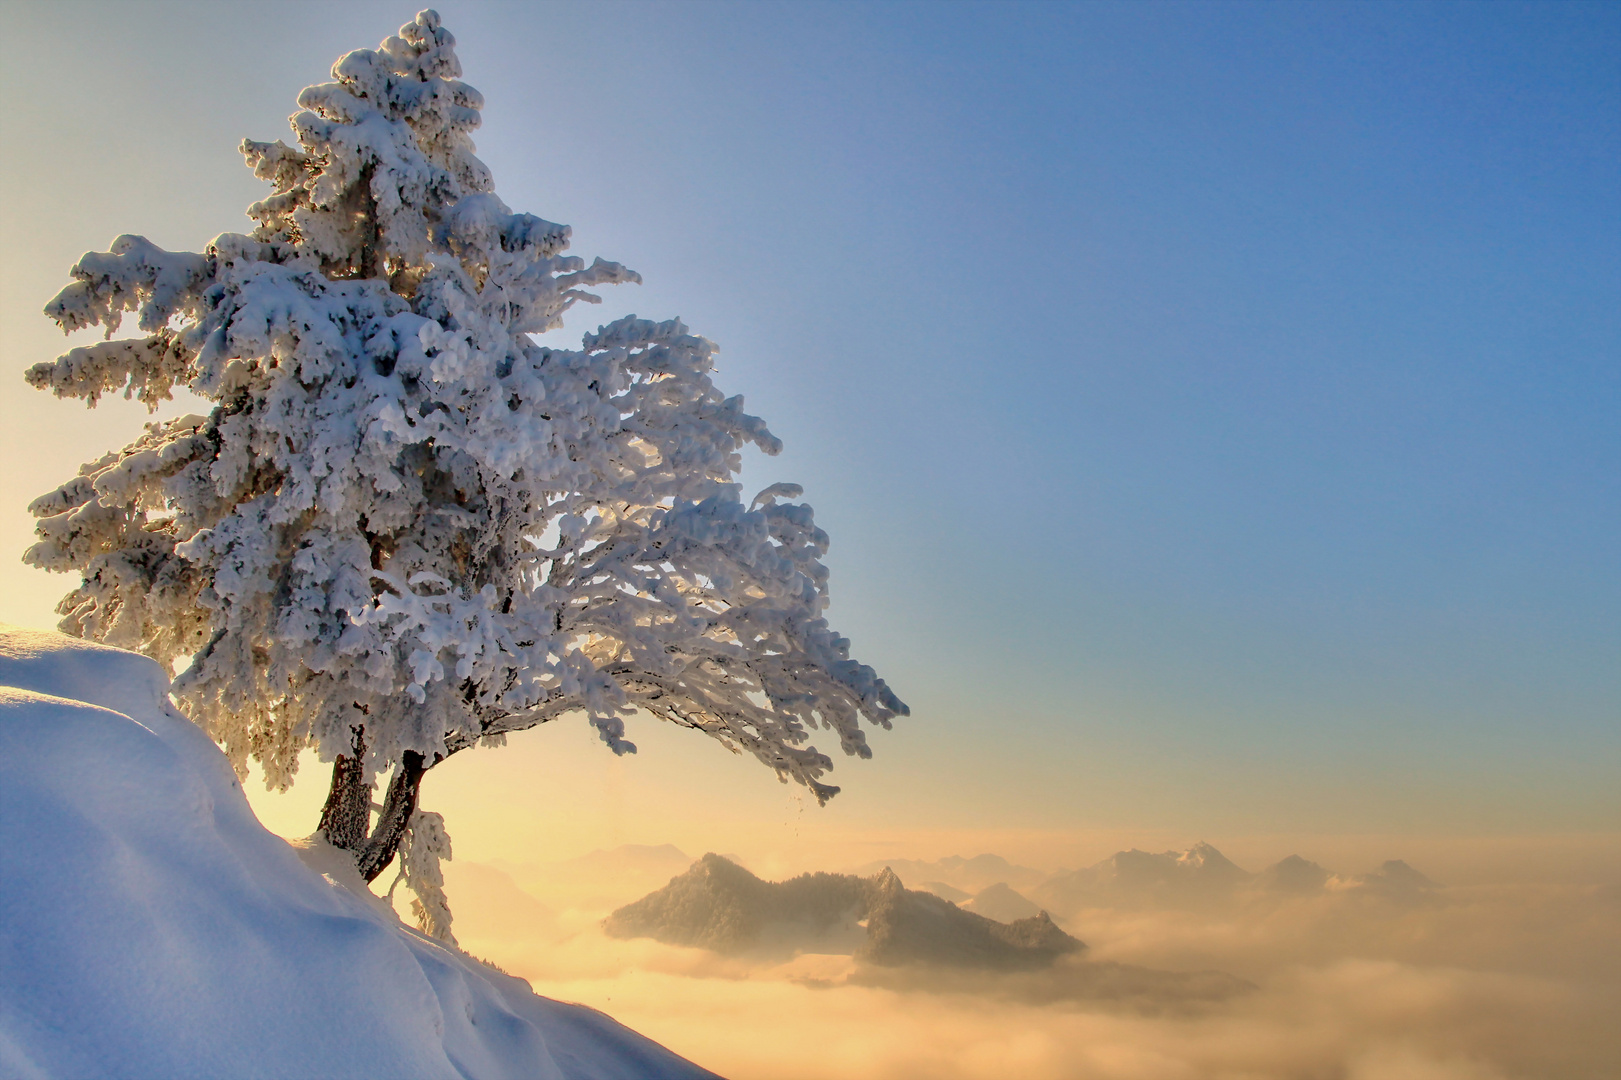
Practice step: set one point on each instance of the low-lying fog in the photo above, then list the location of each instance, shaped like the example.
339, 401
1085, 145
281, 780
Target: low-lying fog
1193, 967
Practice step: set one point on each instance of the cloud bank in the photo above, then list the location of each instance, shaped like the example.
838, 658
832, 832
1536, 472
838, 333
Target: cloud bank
1352, 981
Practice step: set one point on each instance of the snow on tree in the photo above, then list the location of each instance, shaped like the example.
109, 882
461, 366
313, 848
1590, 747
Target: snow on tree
405, 528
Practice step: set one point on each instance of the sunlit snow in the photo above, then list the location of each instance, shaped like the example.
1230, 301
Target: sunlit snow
152, 927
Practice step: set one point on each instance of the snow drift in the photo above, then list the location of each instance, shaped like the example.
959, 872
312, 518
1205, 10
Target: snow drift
150, 926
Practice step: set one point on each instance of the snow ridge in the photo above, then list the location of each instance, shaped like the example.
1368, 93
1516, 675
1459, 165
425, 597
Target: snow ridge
152, 927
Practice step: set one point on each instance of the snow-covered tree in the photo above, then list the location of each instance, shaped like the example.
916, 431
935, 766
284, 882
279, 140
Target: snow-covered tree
405, 528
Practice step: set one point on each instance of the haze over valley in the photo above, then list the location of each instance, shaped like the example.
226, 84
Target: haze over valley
1379, 966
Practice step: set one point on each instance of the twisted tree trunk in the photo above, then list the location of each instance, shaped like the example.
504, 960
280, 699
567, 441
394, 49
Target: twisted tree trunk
346, 818
378, 850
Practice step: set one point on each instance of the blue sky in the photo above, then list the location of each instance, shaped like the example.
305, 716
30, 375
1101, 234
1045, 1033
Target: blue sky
1214, 407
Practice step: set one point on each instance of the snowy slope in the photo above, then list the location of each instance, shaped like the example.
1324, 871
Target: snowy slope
150, 926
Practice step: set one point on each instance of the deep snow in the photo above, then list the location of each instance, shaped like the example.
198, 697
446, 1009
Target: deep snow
150, 926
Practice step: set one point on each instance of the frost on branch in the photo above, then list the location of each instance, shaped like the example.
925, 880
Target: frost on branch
405, 525
424, 846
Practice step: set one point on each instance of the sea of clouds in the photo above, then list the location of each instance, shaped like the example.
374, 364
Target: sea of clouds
1483, 981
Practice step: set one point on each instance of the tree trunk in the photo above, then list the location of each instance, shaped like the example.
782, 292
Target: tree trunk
378, 851
346, 818
369, 228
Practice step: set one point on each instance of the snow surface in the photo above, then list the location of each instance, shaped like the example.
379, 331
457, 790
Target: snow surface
150, 926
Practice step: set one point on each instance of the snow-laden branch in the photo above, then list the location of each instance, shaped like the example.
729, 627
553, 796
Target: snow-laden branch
402, 515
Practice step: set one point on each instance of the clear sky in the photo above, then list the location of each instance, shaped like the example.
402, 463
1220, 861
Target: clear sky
1216, 409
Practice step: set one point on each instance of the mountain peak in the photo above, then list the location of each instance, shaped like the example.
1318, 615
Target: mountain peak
719, 905
1396, 877
1205, 857
1294, 874
1002, 903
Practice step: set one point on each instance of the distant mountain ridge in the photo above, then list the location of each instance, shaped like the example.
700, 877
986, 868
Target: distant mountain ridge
968, 874
719, 905
1202, 875
1294, 875
640, 855
1394, 878
1199, 873
999, 902
985, 884
906, 927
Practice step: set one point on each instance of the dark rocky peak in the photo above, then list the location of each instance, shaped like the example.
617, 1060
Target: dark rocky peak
719, 905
